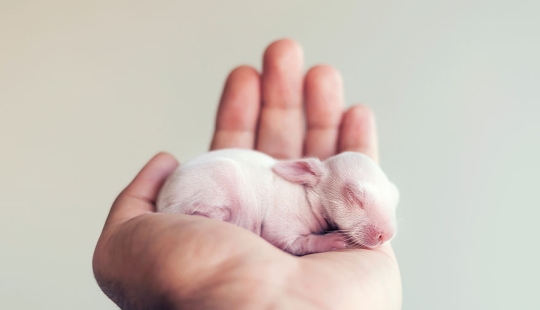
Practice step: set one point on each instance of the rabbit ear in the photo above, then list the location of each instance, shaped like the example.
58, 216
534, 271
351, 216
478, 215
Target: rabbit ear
307, 171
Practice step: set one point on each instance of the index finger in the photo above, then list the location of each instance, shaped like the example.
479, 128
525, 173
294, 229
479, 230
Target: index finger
238, 112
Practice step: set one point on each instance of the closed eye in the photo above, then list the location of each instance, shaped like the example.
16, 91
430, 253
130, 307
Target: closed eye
354, 196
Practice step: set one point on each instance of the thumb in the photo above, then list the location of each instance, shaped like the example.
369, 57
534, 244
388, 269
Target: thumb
139, 197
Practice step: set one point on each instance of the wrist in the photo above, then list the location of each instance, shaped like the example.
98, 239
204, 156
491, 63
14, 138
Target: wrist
241, 285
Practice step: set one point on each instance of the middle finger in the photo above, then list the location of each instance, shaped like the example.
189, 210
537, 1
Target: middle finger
281, 125
323, 93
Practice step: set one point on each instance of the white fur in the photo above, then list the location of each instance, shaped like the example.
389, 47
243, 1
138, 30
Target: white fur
288, 203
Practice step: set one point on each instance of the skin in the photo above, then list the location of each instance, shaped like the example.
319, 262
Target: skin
147, 260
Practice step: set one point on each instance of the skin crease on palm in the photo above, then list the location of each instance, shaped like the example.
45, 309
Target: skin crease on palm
148, 260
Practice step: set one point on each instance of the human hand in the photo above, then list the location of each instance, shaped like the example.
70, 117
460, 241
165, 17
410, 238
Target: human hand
151, 260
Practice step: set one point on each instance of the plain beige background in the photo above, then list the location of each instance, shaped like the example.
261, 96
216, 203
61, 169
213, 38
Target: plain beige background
90, 90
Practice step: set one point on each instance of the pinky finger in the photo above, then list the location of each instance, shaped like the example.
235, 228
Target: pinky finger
358, 132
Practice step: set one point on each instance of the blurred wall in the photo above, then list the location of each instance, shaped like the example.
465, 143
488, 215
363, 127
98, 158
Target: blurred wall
89, 91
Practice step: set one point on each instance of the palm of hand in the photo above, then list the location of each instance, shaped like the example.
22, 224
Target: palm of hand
144, 257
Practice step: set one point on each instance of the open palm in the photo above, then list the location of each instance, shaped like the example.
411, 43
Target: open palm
151, 260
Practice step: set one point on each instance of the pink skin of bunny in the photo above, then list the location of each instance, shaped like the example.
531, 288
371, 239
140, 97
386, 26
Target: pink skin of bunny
301, 206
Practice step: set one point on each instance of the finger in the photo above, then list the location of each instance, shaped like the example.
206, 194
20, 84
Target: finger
281, 125
238, 113
323, 96
358, 132
140, 195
